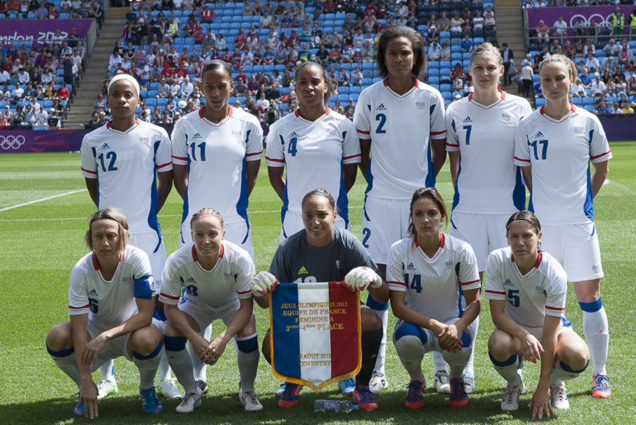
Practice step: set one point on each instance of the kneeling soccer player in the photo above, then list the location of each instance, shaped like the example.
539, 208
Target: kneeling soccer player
322, 252
527, 289
215, 274
427, 273
111, 307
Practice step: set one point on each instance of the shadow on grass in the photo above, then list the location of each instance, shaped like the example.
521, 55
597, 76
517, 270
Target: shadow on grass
483, 408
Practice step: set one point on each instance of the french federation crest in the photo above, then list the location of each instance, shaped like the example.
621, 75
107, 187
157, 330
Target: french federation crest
449, 265
579, 130
144, 141
420, 105
507, 118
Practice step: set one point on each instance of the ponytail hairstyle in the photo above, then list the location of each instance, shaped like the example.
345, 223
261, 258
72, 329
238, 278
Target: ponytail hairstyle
526, 216
203, 212
323, 193
426, 193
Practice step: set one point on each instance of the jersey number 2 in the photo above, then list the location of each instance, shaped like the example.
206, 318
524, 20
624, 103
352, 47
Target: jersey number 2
382, 119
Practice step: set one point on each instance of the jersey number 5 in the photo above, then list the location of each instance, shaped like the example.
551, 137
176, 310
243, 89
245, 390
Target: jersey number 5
513, 297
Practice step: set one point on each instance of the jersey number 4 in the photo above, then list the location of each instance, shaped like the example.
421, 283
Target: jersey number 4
543, 148
416, 283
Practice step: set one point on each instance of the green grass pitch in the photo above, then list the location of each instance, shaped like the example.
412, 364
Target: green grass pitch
41, 241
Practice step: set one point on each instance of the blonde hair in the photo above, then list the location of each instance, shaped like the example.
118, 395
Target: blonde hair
560, 59
486, 48
109, 214
204, 212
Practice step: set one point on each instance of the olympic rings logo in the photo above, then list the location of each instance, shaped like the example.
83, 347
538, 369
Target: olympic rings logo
11, 142
587, 20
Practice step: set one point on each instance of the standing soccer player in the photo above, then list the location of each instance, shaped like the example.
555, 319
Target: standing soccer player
217, 151
111, 307
428, 274
317, 146
554, 146
213, 274
480, 143
527, 289
402, 131
121, 163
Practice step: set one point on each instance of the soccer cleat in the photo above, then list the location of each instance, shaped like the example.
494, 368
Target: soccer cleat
524, 389
289, 397
364, 398
559, 397
415, 395
347, 387
511, 397
189, 403
249, 400
151, 403
600, 386
458, 396
79, 411
202, 386
106, 388
279, 392
442, 384
469, 381
168, 389
378, 383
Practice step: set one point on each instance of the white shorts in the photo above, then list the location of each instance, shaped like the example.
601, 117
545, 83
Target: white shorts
433, 344
384, 221
576, 247
205, 314
149, 243
114, 348
293, 223
538, 332
238, 232
484, 233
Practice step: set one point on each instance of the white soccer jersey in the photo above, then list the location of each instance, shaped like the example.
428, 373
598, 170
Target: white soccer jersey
560, 153
125, 166
314, 153
400, 128
488, 181
230, 276
110, 303
529, 298
216, 155
433, 286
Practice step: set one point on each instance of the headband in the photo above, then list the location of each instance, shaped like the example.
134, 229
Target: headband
194, 217
110, 218
124, 77
523, 220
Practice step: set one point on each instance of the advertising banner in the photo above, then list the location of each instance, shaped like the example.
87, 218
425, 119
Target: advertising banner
40, 31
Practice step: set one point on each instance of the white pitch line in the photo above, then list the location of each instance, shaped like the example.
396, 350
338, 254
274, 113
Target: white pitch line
40, 200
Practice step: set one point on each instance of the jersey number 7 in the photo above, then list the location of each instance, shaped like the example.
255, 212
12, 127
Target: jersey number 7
544, 149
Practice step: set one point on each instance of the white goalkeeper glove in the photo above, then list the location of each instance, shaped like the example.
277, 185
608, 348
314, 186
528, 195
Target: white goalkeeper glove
263, 283
360, 278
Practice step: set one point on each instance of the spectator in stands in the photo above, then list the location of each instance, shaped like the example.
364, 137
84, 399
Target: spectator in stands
262, 101
69, 74
597, 86
589, 47
443, 24
585, 78
63, 92
17, 93
4, 76
66, 6
577, 89
7, 115
456, 24
30, 92
617, 20
97, 12
555, 48
445, 54
29, 114
592, 63
42, 12
434, 52
543, 35
611, 48
23, 77
54, 121
478, 22
560, 28
526, 78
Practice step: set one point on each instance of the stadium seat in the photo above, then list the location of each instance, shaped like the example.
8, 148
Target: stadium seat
434, 72
355, 97
589, 108
539, 102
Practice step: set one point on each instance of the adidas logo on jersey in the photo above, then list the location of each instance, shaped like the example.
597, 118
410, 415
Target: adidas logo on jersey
303, 270
507, 282
190, 280
410, 267
103, 147
539, 134
467, 119
293, 134
380, 107
197, 136
93, 292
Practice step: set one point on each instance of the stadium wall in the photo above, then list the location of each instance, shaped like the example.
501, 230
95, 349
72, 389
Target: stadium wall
601, 15
618, 127
41, 31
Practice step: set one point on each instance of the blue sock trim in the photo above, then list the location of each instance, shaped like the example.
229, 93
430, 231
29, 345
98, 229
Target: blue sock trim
466, 340
175, 343
248, 345
411, 329
511, 360
374, 305
62, 353
147, 356
566, 367
592, 307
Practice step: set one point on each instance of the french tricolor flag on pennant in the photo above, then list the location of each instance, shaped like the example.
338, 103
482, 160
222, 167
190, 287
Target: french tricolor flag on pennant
315, 333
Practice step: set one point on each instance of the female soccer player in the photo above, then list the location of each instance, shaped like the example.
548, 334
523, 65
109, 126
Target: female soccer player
527, 289
480, 143
315, 144
216, 152
110, 307
215, 275
401, 125
428, 273
322, 252
554, 146
121, 163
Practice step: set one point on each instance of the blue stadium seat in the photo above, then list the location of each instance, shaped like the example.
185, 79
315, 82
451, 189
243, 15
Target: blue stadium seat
377, 80
433, 64
433, 80
577, 101
40, 127
355, 90
162, 102
355, 97
589, 108
445, 64
343, 98
344, 90
456, 48
478, 40
539, 102
456, 57
445, 87
367, 81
